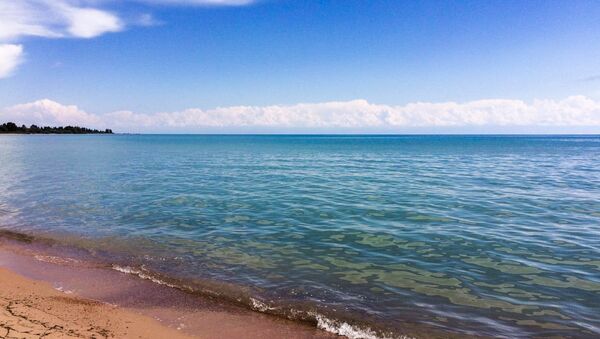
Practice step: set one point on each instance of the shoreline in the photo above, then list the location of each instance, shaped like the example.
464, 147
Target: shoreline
193, 314
107, 296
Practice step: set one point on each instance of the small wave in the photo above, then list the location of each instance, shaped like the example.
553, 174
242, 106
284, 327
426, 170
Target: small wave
141, 274
260, 306
55, 260
333, 326
349, 331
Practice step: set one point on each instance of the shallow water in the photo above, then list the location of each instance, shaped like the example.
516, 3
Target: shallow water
490, 235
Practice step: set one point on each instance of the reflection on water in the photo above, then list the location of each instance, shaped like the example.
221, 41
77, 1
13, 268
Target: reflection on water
488, 235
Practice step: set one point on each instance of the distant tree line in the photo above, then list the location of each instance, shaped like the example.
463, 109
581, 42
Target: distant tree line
11, 127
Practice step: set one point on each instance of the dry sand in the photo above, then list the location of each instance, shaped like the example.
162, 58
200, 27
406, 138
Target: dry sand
33, 309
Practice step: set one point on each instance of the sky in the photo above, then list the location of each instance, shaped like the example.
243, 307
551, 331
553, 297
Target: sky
283, 66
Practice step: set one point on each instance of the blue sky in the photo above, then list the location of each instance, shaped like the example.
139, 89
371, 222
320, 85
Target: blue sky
169, 56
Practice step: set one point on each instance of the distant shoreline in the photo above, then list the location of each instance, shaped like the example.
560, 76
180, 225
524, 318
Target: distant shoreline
12, 128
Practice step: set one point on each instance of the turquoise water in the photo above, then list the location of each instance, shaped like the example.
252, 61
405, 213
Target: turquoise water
489, 235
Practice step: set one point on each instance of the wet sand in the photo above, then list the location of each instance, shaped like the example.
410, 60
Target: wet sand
34, 309
45, 297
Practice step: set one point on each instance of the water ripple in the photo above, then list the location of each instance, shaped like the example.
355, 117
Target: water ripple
485, 235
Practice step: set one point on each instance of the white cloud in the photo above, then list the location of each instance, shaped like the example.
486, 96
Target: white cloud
147, 20
49, 113
75, 18
54, 19
356, 115
90, 22
10, 57
71, 19
49, 19
24, 18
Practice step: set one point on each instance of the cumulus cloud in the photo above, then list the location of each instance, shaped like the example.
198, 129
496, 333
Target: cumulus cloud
10, 57
355, 115
49, 113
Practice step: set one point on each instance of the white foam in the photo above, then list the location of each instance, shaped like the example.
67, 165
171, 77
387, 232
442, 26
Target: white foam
347, 330
61, 289
55, 260
141, 274
336, 327
260, 306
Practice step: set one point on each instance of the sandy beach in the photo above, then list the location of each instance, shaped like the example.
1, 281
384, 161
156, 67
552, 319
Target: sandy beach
34, 309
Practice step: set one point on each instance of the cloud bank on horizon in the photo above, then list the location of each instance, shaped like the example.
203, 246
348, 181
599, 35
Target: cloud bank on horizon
82, 19
338, 116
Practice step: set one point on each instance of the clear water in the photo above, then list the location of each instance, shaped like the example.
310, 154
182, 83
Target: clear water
485, 235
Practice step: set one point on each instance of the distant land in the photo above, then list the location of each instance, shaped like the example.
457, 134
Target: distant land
12, 128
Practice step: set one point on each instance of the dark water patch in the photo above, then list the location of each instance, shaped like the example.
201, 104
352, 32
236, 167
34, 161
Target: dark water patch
16, 236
